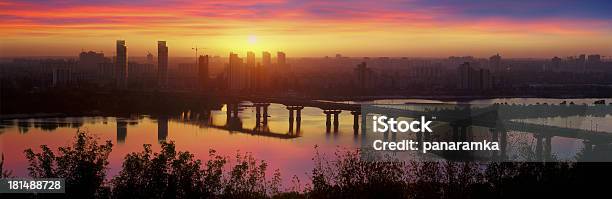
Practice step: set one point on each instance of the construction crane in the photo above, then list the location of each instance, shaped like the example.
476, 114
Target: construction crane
196, 52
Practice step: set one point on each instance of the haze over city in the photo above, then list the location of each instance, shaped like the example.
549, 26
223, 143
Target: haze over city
415, 28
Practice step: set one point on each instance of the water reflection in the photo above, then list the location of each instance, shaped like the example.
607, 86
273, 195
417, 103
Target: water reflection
285, 135
121, 130
162, 128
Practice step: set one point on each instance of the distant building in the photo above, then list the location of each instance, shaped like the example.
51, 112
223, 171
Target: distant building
594, 60
250, 60
474, 78
121, 65
495, 63
62, 76
203, 72
426, 76
162, 64
363, 77
185, 77
266, 59
150, 58
555, 64
87, 67
581, 62
237, 73
62, 71
106, 74
142, 75
281, 59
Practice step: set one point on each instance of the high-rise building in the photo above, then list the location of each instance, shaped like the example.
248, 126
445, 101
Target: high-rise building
363, 77
474, 78
251, 70
203, 71
266, 59
237, 79
62, 71
162, 64
87, 69
281, 60
495, 63
121, 65
250, 60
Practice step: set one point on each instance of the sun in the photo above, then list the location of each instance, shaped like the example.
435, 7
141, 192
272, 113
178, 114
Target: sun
252, 39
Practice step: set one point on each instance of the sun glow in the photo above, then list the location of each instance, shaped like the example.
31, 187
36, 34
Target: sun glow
252, 39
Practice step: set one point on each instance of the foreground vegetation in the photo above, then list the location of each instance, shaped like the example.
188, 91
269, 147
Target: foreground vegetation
175, 174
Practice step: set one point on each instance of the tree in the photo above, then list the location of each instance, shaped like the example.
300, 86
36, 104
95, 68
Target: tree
83, 165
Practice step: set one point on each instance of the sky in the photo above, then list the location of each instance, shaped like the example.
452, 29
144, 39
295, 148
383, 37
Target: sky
395, 28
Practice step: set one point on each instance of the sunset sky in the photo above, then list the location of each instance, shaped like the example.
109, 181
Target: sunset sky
412, 28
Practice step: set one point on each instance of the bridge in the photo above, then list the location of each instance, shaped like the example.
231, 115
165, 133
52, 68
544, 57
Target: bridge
499, 118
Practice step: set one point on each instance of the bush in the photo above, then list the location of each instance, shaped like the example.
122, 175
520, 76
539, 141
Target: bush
83, 165
171, 174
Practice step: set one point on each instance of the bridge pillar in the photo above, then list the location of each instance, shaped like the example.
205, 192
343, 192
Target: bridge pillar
257, 115
327, 121
548, 148
336, 121
463, 133
228, 111
259, 108
298, 118
455, 132
494, 138
503, 142
588, 149
538, 150
290, 120
355, 121
235, 110
265, 113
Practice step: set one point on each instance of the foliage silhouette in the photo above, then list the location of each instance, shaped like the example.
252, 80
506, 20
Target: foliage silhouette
172, 174
175, 174
83, 165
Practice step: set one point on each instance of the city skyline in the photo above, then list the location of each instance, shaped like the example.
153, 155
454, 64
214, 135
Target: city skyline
265, 52
518, 29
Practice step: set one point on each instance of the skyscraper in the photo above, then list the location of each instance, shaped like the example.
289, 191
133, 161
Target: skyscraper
162, 64
266, 59
250, 61
203, 71
121, 65
281, 59
363, 76
495, 63
236, 73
